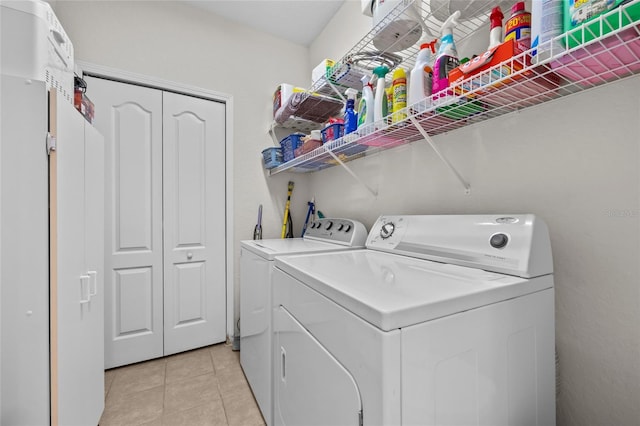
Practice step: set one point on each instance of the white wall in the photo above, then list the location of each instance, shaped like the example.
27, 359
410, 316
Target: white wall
574, 162
191, 46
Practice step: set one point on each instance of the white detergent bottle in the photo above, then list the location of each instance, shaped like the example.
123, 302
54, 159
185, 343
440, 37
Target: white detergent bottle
380, 107
421, 78
365, 111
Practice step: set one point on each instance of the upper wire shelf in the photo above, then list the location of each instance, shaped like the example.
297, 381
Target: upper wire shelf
612, 54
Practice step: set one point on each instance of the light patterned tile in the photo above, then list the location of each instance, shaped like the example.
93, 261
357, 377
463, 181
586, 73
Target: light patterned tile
189, 364
134, 408
191, 392
138, 377
109, 375
211, 414
223, 357
232, 381
242, 409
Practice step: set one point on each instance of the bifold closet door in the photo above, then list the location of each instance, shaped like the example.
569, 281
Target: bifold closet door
194, 222
130, 119
165, 226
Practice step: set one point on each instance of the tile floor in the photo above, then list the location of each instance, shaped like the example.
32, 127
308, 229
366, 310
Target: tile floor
201, 387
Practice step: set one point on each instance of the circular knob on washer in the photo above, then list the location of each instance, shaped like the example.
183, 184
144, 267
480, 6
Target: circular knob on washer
387, 230
347, 228
498, 240
340, 227
328, 225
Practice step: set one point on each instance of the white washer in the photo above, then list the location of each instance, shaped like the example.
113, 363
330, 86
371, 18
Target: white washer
256, 266
442, 320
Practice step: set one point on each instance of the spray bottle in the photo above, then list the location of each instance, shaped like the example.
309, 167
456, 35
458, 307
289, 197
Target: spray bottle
399, 86
495, 35
421, 77
350, 116
365, 111
380, 106
447, 57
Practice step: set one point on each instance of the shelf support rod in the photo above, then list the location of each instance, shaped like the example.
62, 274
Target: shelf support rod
427, 138
335, 89
272, 132
351, 172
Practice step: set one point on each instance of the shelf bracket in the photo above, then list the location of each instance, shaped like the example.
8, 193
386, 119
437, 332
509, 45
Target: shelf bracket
427, 138
335, 89
352, 173
272, 132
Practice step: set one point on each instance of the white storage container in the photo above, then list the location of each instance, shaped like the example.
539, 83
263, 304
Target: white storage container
35, 46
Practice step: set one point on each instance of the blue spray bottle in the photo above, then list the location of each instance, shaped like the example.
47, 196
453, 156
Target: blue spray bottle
350, 116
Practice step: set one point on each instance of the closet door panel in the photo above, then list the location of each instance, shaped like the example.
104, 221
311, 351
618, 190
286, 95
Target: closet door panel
131, 121
194, 233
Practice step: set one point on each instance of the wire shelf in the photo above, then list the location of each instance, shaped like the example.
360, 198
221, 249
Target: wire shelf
612, 53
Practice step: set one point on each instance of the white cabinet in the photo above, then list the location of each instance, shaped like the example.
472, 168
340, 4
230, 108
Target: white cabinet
24, 254
51, 261
165, 220
77, 240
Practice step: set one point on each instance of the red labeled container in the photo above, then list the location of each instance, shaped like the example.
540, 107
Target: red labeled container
518, 28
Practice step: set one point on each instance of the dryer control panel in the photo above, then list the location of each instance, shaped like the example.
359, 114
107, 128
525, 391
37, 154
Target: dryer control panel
510, 244
347, 232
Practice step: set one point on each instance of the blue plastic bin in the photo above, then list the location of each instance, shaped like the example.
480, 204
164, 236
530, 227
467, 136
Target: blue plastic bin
290, 144
272, 157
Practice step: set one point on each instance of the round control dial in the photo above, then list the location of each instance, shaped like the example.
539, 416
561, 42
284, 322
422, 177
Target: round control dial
499, 240
328, 225
387, 230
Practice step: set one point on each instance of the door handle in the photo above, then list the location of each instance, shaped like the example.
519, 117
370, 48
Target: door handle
93, 275
84, 289
283, 359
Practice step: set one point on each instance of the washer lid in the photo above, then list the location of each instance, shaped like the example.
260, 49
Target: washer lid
268, 249
392, 291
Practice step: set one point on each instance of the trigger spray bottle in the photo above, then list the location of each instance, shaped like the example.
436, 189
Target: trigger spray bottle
350, 115
365, 107
447, 56
421, 78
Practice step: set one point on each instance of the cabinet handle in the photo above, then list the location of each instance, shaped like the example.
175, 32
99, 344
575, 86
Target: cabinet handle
93, 283
283, 358
84, 289
189, 255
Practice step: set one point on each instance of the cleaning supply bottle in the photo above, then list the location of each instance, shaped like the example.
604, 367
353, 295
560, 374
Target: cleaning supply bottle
518, 28
495, 35
447, 57
421, 78
380, 106
546, 25
350, 116
365, 107
399, 86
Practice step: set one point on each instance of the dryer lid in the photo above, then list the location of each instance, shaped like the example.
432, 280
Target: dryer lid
392, 291
270, 248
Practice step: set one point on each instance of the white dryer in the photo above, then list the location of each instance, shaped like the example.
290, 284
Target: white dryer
256, 266
441, 320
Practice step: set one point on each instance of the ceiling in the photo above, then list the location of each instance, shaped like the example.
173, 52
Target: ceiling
299, 21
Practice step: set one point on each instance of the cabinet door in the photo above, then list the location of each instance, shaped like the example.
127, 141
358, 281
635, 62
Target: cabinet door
78, 389
94, 249
194, 222
130, 120
24, 253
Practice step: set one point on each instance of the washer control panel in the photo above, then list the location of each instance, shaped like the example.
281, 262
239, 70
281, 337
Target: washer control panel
342, 231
